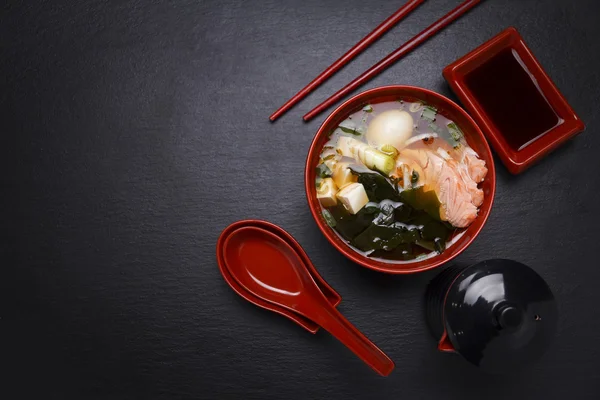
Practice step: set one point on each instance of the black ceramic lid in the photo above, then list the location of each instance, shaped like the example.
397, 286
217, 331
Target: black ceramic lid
499, 315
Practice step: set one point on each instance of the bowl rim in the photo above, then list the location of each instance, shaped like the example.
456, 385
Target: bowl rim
382, 266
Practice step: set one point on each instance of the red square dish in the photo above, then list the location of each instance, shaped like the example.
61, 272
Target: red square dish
513, 100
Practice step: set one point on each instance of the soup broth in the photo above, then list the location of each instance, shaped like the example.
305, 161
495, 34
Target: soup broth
397, 181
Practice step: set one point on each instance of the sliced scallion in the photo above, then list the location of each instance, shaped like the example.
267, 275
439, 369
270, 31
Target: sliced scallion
370, 157
429, 113
323, 171
348, 126
361, 129
389, 150
329, 218
455, 131
414, 107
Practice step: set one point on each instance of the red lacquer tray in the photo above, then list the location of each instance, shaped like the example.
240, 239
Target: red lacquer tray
515, 161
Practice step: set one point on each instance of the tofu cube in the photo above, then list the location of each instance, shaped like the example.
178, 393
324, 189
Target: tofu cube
331, 163
345, 145
342, 175
326, 193
353, 197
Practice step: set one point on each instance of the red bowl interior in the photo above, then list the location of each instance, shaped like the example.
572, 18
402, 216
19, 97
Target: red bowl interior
445, 106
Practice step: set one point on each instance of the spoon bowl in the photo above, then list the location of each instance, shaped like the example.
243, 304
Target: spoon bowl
267, 266
332, 296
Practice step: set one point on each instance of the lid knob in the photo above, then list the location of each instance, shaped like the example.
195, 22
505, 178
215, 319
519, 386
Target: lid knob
509, 317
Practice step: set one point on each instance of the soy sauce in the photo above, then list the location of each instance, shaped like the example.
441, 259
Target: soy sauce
512, 98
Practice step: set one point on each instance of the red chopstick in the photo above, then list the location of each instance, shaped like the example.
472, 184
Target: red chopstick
350, 54
393, 57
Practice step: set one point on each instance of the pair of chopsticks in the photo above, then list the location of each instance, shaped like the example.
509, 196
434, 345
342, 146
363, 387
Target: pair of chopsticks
381, 65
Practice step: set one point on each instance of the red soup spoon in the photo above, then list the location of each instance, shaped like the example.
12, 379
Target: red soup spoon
267, 266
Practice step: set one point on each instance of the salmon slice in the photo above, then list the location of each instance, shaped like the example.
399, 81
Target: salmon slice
464, 154
475, 166
453, 181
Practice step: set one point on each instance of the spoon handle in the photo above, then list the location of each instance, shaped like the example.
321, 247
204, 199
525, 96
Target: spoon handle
335, 323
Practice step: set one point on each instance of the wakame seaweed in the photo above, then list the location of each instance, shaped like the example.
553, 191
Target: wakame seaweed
384, 226
392, 219
348, 225
378, 188
387, 237
421, 199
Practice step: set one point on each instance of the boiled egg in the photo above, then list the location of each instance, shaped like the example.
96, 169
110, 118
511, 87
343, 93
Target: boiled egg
390, 127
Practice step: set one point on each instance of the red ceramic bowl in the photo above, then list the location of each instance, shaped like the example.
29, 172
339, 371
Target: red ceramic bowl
445, 106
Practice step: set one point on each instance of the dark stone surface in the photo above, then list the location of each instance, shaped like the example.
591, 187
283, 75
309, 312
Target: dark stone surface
133, 132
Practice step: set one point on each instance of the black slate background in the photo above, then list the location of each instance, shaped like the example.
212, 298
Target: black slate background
133, 132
